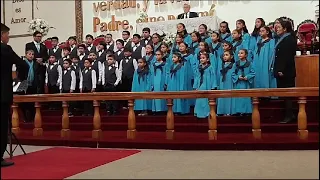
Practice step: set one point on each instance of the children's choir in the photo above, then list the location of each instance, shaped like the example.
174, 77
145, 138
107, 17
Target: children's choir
198, 61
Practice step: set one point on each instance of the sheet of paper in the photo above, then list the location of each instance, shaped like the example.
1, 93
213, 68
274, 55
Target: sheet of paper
15, 88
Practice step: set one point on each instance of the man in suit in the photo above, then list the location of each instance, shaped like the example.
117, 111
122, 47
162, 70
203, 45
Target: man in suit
146, 37
187, 14
90, 47
110, 43
72, 40
41, 56
55, 50
8, 58
126, 39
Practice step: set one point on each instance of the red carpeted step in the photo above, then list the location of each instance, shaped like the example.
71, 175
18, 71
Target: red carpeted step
192, 141
179, 127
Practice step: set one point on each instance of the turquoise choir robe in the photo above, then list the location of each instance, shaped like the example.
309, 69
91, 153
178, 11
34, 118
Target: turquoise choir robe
224, 105
275, 36
150, 60
141, 83
205, 38
168, 59
237, 46
220, 63
205, 79
188, 61
177, 81
226, 37
194, 48
217, 51
243, 105
196, 61
187, 39
156, 47
158, 79
246, 40
262, 60
252, 46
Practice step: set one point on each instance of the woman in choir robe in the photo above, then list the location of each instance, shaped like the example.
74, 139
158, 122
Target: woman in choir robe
177, 81
255, 36
158, 79
142, 83
203, 49
203, 31
149, 57
156, 42
196, 39
176, 43
237, 43
262, 60
205, 79
181, 29
224, 31
216, 48
226, 46
243, 77
224, 105
166, 53
241, 26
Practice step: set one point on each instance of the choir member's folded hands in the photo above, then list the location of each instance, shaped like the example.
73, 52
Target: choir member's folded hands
71, 91
60, 90
241, 78
80, 90
115, 84
93, 90
245, 78
280, 74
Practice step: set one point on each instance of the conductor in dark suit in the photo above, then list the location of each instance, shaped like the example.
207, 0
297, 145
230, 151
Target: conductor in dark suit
284, 63
41, 57
8, 58
187, 14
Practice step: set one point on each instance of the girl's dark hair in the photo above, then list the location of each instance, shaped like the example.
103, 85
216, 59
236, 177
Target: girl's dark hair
166, 45
231, 54
184, 32
255, 32
158, 35
178, 55
268, 30
227, 24
159, 52
229, 44
146, 64
205, 26
198, 36
152, 48
244, 29
206, 47
245, 51
187, 48
218, 35
239, 32
287, 24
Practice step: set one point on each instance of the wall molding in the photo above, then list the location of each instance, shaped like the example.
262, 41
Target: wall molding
79, 20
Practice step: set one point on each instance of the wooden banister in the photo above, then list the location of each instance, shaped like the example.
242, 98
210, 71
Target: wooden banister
256, 127
65, 131
302, 119
37, 130
131, 132
96, 132
213, 133
15, 119
170, 120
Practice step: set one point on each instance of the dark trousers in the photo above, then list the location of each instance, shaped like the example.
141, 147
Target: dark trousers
71, 103
87, 105
53, 90
41, 80
126, 86
5, 121
287, 82
111, 106
28, 108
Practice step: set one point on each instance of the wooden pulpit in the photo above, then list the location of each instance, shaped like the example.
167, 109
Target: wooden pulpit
307, 69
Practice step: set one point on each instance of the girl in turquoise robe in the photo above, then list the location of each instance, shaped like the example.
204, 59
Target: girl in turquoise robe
224, 105
203, 31
241, 26
149, 57
166, 53
181, 29
243, 77
255, 37
142, 83
204, 80
216, 48
177, 81
158, 79
262, 60
176, 43
226, 46
203, 49
237, 43
196, 39
224, 32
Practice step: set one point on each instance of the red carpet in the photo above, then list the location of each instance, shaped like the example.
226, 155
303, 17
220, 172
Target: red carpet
60, 163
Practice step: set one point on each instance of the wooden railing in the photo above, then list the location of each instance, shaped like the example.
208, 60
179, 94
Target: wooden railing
301, 93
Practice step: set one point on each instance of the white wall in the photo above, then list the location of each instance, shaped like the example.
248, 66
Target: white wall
59, 14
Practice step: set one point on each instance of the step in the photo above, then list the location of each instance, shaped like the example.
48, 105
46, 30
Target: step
179, 127
182, 141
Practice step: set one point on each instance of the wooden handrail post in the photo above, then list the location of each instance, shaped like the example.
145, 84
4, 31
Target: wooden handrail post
131, 132
256, 126
15, 119
302, 119
37, 130
212, 119
170, 120
96, 132
65, 131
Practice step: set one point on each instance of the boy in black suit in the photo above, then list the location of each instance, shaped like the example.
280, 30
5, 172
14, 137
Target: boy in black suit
146, 37
138, 51
90, 47
97, 66
55, 50
66, 55
68, 84
119, 55
73, 45
53, 78
109, 43
101, 51
82, 55
126, 40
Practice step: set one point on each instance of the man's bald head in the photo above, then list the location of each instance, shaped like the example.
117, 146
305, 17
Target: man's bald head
186, 7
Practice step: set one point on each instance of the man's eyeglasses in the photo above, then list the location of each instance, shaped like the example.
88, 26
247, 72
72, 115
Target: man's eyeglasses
39, 36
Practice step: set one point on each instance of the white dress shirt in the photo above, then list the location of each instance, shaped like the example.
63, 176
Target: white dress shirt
93, 78
134, 62
59, 69
73, 79
81, 56
100, 67
186, 15
108, 45
100, 52
89, 47
118, 74
72, 47
135, 46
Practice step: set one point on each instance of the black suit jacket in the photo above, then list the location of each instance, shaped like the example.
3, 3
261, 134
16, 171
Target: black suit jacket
191, 15
143, 42
43, 51
8, 58
102, 57
93, 49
